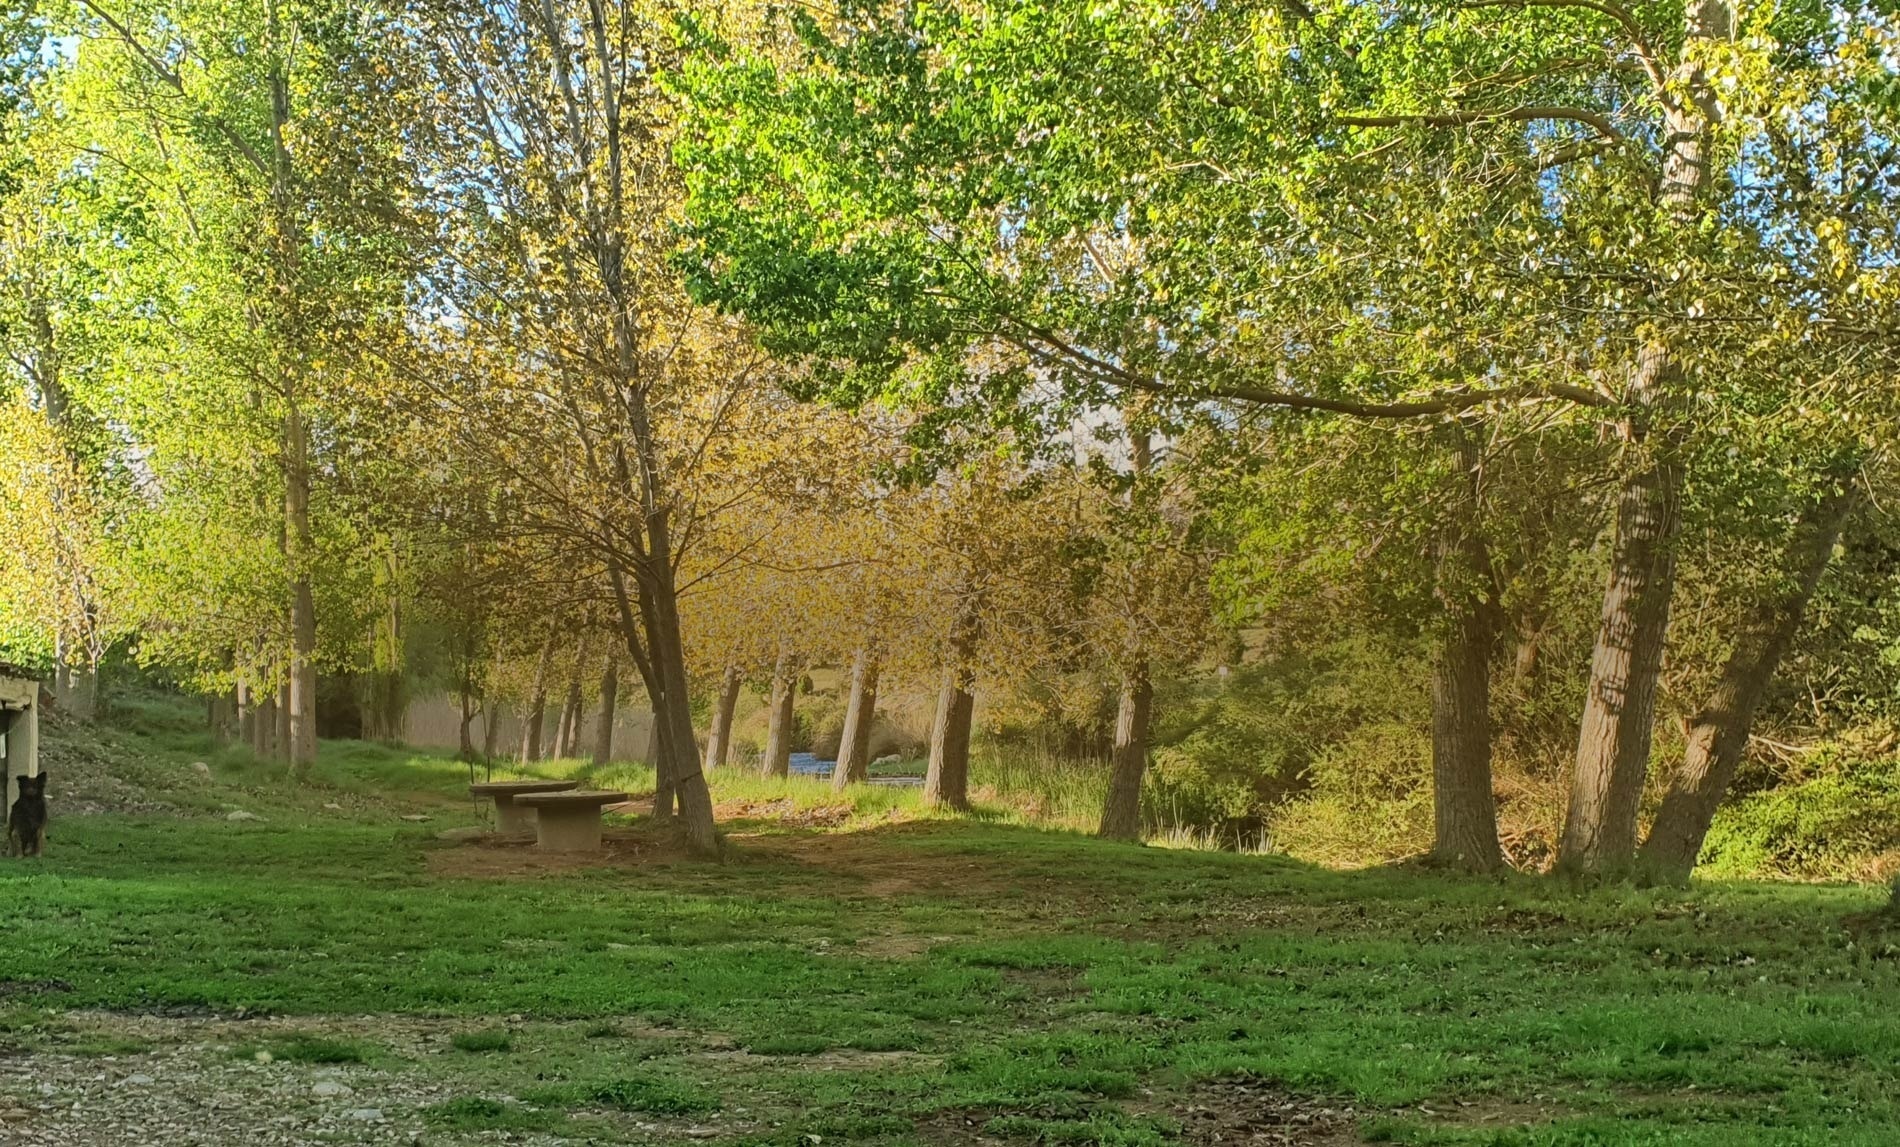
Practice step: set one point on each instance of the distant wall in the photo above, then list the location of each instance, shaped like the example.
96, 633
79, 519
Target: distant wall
435, 723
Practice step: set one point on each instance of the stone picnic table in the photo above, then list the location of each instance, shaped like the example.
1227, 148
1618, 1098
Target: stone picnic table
510, 816
569, 821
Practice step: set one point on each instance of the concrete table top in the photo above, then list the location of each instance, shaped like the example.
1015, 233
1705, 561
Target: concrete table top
510, 816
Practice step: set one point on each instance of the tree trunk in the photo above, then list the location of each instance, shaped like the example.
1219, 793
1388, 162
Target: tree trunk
301, 736
568, 744
1464, 807
1613, 742
719, 734
465, 735
1121, 812
537, 704
1718, 733
246, 711
609, 703
854, 747
491, 729
677, 746
779, 726
947, 780
264, 729
283, 721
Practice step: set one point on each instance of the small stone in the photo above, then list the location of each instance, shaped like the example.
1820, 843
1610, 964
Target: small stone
137, 1079
333, 806
203, 770
262, 1057
329, 1089
240, 814
415, 817
366, 1115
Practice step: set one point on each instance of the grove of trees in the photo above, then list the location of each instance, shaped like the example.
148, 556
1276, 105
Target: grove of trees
1313, 417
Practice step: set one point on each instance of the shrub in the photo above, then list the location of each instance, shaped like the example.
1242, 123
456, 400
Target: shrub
1839, 820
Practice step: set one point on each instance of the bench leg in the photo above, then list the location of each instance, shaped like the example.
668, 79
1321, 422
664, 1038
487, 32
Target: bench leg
568, 830
510, 817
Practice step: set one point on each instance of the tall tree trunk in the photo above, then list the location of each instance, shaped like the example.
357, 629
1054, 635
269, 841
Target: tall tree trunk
492, 716
1464, 807
282, 734
1121, 812
854, 747
465, 735
677, 745
779, 721
1613, 742
302, 707
62, 669
665, 802
264, 729
537, 703
947, 778
609, 703
1718, 733
246, 710
719, 734
568, 743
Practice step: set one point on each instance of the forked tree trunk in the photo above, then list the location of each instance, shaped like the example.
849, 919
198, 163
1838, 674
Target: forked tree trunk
677, 747
609, 704
779, 721
1718, 733
947, 779
537, 705
1613, 743
719, 733
1128, 760
854, 746
1464, 807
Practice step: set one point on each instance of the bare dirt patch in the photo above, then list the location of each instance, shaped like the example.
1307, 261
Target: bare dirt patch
783, 811
494, 856
1261, 1115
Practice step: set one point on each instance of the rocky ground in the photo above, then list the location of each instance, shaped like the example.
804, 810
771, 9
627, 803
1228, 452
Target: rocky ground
114, 1080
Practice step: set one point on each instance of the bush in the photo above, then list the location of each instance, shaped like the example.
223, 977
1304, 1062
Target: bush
1840, 819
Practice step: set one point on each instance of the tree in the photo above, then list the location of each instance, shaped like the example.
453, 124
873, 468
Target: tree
1500, 209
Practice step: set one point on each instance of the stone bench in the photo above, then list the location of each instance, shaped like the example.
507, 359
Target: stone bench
569, 821
510, 816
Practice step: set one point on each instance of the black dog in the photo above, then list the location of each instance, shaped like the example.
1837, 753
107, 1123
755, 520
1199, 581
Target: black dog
26, 824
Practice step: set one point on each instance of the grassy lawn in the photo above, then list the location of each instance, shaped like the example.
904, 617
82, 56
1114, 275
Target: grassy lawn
894, 979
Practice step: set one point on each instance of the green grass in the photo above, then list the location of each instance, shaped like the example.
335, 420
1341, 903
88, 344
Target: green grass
311, 1049
1038, 984
483, 1040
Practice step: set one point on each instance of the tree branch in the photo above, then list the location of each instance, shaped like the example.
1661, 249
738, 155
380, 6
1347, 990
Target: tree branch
1623, 17
1462, 117
177, 84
